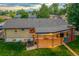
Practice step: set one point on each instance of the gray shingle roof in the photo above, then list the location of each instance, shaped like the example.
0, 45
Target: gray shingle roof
51, 29
16, 23
40, 25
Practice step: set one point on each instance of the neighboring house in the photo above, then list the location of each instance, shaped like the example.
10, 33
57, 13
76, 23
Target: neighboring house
44, 33
62, 16
5, 17
1, 29
1, 25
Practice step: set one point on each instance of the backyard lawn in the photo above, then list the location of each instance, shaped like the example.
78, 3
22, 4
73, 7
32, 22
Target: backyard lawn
75, 45
18, 49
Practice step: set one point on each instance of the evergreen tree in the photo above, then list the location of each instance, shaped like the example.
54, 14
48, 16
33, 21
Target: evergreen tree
12, 14
73, 14
23, 13
43, 12
53, 9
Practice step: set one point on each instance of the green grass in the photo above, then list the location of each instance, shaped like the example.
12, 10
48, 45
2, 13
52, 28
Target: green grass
75, 45
61, 51
58, 51
11, 48
18, 49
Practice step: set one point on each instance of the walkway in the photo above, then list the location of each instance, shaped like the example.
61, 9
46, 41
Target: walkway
31, 48
73, 52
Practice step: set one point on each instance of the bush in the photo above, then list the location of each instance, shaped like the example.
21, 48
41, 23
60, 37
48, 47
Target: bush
18, 46
2, 39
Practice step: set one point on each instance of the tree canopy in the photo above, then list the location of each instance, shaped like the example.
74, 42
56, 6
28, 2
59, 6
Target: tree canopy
43, 12
56, 9
23, 13
53, 9
11, 14
73, 14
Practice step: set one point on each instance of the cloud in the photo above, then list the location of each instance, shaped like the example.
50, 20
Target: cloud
26, 6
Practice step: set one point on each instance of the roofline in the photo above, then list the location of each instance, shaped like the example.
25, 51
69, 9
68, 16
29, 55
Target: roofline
17, 28
50, 32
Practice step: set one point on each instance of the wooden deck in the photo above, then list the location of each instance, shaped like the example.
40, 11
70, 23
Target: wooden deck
44, 43
49, 43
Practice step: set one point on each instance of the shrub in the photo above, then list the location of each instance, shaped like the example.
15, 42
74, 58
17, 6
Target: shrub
18, 46
2, 39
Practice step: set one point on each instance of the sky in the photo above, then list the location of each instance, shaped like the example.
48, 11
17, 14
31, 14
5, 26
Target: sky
39, 1
23, 4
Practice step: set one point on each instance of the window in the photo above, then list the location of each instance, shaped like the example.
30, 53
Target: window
30, 42
22, 29
0, 27
61, 34
32, 30
15, 30
14, 40
67, 34
76, 29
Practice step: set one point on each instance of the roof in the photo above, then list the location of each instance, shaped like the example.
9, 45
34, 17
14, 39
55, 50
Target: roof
16, 23
40, 24
51, 29
6, 17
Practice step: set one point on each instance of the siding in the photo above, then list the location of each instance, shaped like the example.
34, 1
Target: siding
71, 35
49, 40
17, 39
19, 34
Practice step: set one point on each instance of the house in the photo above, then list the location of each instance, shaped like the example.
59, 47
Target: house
1, 29
39, 32
5, 17
62, 16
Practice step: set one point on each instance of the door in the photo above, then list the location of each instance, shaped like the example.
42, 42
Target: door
30, 42
71, 35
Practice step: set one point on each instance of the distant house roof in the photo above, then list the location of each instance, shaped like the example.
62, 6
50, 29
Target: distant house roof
5, 17
40, 24
16, 23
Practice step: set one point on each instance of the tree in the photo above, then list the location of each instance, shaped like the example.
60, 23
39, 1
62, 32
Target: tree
53, 9
73, 14
43, 12
62, 11
12, 14
23, 13
34, 12
3, 12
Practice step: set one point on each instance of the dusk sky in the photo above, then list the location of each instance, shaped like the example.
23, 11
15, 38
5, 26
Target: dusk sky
17, 6
22, 4
27, 6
